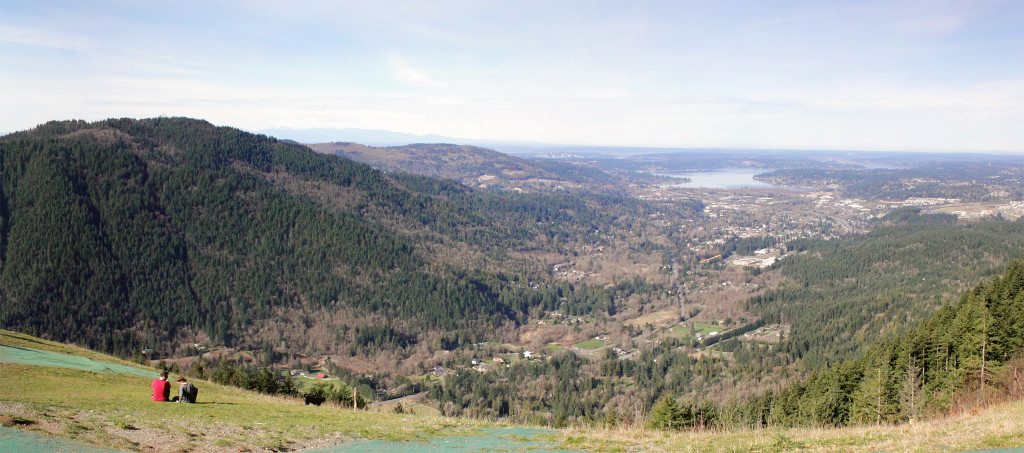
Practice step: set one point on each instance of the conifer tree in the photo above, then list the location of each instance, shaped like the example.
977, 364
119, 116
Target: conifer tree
667, 414
910, 392
872, 403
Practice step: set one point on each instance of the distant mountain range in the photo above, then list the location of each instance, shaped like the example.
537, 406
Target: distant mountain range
380, 137
386, 138
480, 167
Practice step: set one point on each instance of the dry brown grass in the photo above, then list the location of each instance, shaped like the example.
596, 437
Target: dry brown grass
1000, 426
659, 318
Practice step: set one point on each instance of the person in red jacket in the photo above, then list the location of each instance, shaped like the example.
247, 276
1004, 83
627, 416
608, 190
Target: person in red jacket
161, 388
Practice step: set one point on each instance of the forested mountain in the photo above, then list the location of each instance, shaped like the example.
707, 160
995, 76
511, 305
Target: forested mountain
147, 233
844, 294
995, 179
480, 167
126, 234
966, 355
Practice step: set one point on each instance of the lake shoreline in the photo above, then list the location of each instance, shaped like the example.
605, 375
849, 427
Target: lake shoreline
722, 178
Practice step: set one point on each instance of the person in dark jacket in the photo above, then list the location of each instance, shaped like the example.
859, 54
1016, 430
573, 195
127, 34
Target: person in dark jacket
187, 392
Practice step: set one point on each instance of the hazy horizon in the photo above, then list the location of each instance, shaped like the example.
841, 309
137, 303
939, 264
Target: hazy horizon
385, 138
910, 75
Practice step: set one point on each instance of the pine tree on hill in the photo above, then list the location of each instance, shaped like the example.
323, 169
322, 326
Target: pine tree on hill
667, 414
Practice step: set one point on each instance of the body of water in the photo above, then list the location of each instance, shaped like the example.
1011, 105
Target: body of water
723, 178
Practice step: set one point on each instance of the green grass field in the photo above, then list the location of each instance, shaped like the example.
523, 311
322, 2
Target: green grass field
683, 331
304, 383
554, 347
590, 344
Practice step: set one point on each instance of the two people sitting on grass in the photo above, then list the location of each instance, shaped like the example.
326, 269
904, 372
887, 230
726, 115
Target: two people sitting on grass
187, 392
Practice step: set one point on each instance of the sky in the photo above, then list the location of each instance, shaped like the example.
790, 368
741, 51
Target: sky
852, 75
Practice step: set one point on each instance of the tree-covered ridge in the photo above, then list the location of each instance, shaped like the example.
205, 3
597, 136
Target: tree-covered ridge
968, 181
968, 352
479, 167
842, 295
126, 233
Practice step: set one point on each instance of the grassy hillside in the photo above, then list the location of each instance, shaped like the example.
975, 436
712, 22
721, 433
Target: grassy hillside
997, 427
115, 410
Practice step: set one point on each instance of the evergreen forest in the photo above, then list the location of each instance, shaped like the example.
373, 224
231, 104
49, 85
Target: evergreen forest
129, 234
170, 234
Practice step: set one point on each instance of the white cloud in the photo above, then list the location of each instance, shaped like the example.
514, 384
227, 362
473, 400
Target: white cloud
39, 37
405, 73
930, 25
931, 17
914, 74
